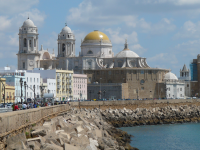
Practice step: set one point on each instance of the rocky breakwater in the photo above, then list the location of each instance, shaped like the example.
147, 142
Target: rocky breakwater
75, 130
142, 116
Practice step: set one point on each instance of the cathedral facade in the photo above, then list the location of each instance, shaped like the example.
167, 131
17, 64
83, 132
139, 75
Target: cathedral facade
96, 59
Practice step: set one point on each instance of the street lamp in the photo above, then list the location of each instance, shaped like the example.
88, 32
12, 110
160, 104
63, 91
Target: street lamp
100, 89
25, 90
80, 95
21, 82
70, 91
41, 89
104, 92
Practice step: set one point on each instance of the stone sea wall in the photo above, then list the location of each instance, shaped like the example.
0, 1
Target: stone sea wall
77, 129
133, 104
152, 116
16, 122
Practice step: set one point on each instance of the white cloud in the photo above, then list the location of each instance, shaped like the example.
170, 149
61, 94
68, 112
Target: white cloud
189, 30
14, 40
4, 23
118, 38
190, 47
16, 6
138, 49
165, 58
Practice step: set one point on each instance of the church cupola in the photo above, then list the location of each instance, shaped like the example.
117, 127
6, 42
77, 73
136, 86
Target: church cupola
66, 43
28, 37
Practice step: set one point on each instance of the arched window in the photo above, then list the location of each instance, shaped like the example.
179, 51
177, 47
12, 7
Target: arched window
29, 43
89, 52
24, 42
34, 42
120, 64
63, 47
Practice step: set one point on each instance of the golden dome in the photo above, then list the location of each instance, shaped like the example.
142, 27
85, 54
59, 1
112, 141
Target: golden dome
96, 35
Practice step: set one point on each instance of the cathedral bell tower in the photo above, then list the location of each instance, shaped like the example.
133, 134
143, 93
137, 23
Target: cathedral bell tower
66, 43
28, 46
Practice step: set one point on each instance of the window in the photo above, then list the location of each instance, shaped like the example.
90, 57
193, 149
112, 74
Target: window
31, 94
30, 79
27, 79
23, 65
29, 43
89, 63
31, 86
120, 64
149, 72
34, 80
122, 72
24, 28
187, 85
169, 95
142, 71
63, 47
169, 89
24, 42
34, 42
89, 52
142, 88
89, 79
37, 80
180, 89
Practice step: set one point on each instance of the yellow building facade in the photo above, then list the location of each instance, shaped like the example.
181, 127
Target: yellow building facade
64, 85
9, 92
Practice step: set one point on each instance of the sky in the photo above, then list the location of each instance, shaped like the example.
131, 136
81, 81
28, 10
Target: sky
166, 32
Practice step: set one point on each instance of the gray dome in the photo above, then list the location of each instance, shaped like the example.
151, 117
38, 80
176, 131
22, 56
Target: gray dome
28, 23
126, 53
66, 29
170, 76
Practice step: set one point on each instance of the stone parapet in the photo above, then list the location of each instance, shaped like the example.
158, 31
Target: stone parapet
16, 120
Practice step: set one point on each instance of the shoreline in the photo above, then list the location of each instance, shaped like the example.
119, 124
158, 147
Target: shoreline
152, 116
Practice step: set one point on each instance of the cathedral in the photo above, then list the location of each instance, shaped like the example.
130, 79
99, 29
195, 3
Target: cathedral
96, 52
96, 59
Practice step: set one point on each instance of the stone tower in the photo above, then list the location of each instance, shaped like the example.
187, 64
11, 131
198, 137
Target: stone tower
184, 73
66, 43
28, 54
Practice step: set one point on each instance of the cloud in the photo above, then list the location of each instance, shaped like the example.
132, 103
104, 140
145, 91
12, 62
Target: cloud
4, 23
118, 38
16, 6
164, 58
138, 49
190, 47
189, 30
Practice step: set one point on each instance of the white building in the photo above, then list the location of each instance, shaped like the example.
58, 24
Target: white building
32, 80
174, 88
60, 82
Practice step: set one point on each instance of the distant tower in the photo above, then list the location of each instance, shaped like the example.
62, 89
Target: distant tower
28, 46
184, 73
66, 43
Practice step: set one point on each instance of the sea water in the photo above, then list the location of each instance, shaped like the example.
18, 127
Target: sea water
165, 137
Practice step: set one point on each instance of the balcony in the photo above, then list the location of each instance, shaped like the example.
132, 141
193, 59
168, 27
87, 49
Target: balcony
58, 80
58, 86
63, 86
63, 76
